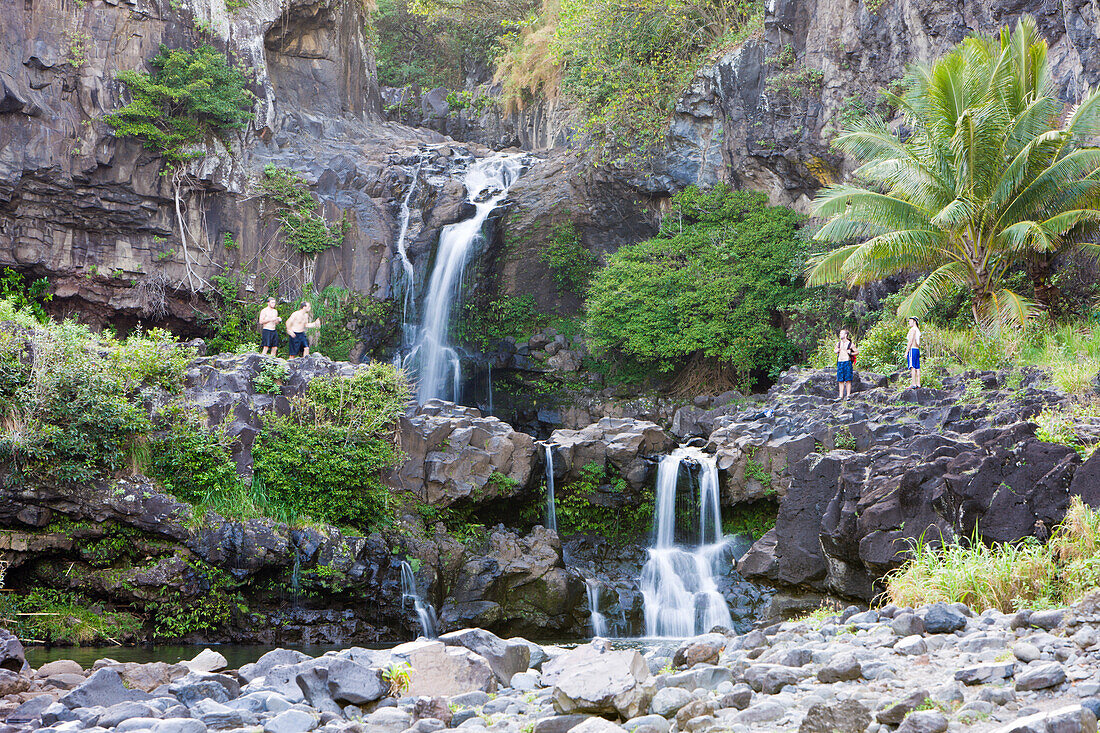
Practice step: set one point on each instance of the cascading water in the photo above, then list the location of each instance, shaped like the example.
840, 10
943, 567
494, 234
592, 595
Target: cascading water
551, 505
433, 359
410, 593
678, 582
408, 277
595, 618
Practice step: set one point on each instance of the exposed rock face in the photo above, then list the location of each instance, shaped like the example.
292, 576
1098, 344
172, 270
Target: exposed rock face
934, 464
627, 446
456, 455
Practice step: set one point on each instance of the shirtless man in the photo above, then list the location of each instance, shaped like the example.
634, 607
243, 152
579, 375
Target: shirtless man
296, 327
912, 352
845, 349
269, 337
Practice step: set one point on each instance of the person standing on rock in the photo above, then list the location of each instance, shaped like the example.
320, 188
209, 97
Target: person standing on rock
296, 327
912, 353
845, 354
269, 337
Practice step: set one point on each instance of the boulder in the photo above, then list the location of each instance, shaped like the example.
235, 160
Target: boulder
104, 688
1041, 676
704, 649
291, 721
454, 455
841, 668
270, 660
941, 618
350, 683
207, 660
435, 708
12, 683
60, 666
845, 716
668, 701
606, 683
1068, 719
625, 444
147, 676
923, 721
12, 657
438, 669
505, 657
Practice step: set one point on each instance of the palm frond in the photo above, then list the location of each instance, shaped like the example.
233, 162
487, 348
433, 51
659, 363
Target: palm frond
936, 287
828, 267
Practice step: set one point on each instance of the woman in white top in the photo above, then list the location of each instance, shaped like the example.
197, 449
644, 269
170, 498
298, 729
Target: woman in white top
912, 352
845, 351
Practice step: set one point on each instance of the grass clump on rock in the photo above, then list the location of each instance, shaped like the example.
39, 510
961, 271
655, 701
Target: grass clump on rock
1005, 576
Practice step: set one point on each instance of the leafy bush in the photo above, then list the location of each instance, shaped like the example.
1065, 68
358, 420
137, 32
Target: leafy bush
510, 316
189, 96
25, 296
882, 350
576, 513
153, 359
753, 520
58, 617
271, 377
193, 463
305, 230
233, 322
711, 284
571, 264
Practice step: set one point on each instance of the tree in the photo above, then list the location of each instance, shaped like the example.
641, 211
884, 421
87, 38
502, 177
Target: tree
709, 286
989, 169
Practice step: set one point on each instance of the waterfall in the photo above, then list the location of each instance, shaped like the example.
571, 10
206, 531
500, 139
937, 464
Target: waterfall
551, 505
425, 612
490, 389
595, 618
678, 582
408, 279
436, 361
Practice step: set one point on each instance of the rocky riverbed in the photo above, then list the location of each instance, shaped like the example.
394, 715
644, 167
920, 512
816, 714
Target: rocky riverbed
927, 670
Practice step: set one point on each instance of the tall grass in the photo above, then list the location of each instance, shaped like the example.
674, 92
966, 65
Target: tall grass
1005, 576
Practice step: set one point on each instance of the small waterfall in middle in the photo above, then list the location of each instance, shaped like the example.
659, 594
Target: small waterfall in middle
679, 585
551, 504
595, 618
425, 612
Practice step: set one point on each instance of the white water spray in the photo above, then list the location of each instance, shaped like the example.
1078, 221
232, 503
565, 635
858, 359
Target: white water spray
410, 593
595, 618
551, 505
408, 279
435, 360
678, 583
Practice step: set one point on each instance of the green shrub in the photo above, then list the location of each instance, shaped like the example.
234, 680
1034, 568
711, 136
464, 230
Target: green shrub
752, 520
511, 316
571, 264
710, 285
305, 230
577, 514
189, 96
273, 374
193, 463
233, 322
882, 349
58, 617
23, 295
153, 359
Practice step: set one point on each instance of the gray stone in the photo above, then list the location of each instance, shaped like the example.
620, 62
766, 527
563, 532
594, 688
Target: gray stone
894, 714
738, 698
1048, 619
1041, 676
180, 725
865, 617
438, 669
911, 646
57, 713
985, 673
292, 721
797, 658
207, 660
525, 681
313, 683
350, 683
668, 701
778, 678
470, 699
538, 654
388, 720
1068, 719
940, 618
611, 682
907, 624
103, 688
1025, 652
923, 721
841, 668
124, 711
505, 657
656, 722
203, 686
217, 716
762, 712
30, 710
427, 725
559, 723
846, 716
274, 658
596, 725
136, 724
59, 666
997, 695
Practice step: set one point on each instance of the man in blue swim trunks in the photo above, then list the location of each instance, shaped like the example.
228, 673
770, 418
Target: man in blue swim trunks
296, 326
912, 352
269, 337
845, 351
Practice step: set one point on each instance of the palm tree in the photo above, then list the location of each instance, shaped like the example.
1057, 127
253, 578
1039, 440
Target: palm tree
988, 169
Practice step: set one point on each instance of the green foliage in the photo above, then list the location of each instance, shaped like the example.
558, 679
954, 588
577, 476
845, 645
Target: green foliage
190, 96
153, 359
23, 295
625, 64
882, 349
969, 190
273, 374
343, 314
576, 512
69, 414
571, 264
752, 520
326, 458
509, 316
233, 322
194, 463
306, 231
176, 615
58, 617
1059, 425
710, 284
398, 677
